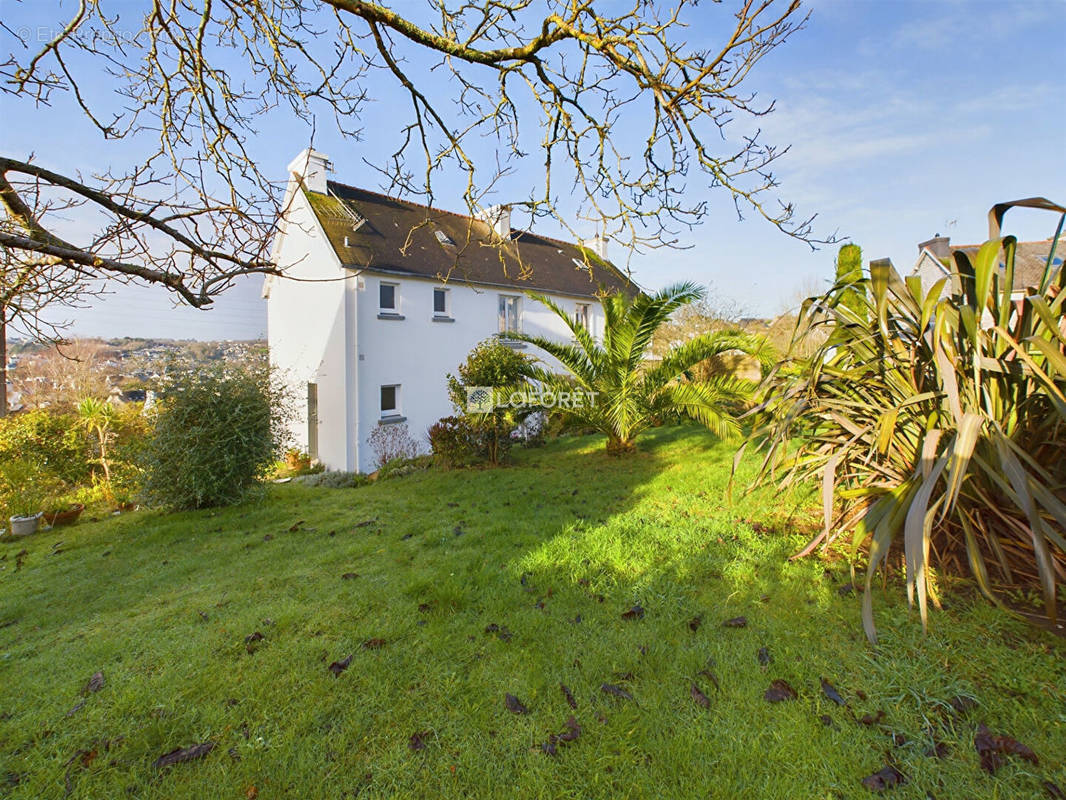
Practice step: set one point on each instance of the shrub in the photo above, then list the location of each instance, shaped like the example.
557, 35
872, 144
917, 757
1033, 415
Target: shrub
937, 424
487, 435
461, 442
333, 480
26, 488
391, 441
52, 442
216, 433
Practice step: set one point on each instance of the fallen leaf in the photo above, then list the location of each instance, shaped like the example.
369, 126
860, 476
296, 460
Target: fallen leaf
699, 697
337, 667
885, 778
295, 526
373, 644
573, 730
963, 704
1053, 791
938, 750
76, 709
88, 756
694, 623
831, 692
95, 684
514, 705
764, 656
872, 719
183, 754
736, 622
253, 637
617, 691
779, 690
251, 793
636, 612
418, 740
711, 677
349, 576
570, 701
991, 748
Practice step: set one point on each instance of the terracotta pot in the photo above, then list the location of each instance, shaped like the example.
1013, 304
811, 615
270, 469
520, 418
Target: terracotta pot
24, 526
67, 516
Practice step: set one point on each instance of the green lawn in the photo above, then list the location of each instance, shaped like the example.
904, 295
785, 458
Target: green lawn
552, 550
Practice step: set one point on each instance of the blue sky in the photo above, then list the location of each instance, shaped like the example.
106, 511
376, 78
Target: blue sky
905, 119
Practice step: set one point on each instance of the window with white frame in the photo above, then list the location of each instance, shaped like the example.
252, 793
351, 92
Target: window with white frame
581, 315
508, 314
388, 298
390, 401
441, 304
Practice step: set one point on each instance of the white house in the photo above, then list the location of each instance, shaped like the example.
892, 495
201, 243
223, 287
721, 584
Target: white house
382, 298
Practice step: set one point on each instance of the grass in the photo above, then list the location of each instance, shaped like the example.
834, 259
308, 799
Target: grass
554, 549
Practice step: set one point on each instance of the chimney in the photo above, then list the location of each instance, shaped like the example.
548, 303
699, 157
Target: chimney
311, 167
498, 218
597, 244
939, 246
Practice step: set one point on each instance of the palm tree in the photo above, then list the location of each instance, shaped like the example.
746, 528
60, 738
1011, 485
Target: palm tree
97, 417
631, 393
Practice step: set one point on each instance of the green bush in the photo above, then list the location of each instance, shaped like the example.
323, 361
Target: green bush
52, 442
217, 432
460, 442
483, 437
935, 421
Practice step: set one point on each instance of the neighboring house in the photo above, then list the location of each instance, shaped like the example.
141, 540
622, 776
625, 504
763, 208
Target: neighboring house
382, 298
935, 262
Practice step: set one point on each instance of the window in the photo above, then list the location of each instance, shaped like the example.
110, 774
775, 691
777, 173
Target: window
508, 314
390, 401
581, 315
440, 302
387, 297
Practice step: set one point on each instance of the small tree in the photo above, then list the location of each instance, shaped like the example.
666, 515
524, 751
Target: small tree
217, 432
495, 365
96, 417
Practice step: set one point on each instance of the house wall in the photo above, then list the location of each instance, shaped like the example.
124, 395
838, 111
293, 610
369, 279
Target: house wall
310, 328
417, 352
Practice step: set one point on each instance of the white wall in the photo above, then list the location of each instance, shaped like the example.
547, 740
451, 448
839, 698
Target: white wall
310, 331
417, 352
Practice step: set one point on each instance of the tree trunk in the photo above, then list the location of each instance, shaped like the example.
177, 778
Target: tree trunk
3, 361
617, 446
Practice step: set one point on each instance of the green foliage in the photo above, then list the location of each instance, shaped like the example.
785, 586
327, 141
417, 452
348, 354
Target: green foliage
463, 441
216, 433
26, 488
620, 393
848, 277
483, 437
52, 442
937, 422
333, 479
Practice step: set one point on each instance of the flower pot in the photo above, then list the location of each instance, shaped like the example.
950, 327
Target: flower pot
24, 526
67, 516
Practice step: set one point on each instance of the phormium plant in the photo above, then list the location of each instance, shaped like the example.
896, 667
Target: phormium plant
935, 421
